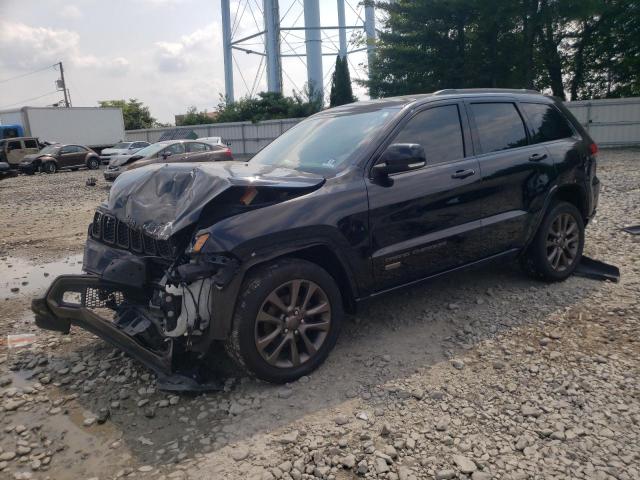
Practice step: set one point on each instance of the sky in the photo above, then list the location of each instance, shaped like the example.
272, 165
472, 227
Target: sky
166, 53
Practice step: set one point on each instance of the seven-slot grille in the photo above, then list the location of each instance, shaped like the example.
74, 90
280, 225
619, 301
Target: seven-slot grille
110, 230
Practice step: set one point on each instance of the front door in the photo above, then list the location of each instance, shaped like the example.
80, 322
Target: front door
70, 156
424, 221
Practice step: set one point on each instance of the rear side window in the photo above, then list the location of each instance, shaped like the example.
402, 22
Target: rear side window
14, 146
546, 122
499, 126
439, 131
197, 147
30, 144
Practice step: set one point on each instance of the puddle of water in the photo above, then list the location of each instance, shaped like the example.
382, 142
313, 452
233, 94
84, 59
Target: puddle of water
15, 272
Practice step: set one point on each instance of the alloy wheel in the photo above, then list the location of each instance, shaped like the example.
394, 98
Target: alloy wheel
563, 240
292, 323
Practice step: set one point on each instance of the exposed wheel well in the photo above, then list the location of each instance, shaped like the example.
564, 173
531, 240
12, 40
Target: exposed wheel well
327, 259
574, 195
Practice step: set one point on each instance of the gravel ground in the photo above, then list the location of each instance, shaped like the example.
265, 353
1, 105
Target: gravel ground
482, 375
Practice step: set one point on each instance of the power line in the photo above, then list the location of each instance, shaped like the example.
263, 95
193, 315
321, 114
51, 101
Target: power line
28, 73
29, 99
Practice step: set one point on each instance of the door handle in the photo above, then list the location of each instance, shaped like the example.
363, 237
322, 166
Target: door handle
536, 157
463, 173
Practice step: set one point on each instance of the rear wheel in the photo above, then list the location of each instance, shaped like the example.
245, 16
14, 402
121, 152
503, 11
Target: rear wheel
49, 167
93, 163
556, 250
287, 320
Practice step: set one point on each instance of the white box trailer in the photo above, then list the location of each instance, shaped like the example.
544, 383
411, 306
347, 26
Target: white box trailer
94, 127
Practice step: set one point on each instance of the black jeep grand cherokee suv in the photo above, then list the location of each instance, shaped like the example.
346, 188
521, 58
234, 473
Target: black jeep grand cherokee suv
263, 258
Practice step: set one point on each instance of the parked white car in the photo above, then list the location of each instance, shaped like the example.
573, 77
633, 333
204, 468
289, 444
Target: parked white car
214, 141
122, 148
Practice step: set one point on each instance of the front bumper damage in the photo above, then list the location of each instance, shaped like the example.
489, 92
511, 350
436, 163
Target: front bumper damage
77, 299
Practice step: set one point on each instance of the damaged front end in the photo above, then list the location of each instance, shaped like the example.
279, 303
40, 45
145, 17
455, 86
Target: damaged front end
148, 289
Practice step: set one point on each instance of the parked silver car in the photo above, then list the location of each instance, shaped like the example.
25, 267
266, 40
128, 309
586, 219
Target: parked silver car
122, 148
170, 151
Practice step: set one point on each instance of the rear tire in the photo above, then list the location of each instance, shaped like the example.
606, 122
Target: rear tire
49, 167
93, 164
286, 321
556, 249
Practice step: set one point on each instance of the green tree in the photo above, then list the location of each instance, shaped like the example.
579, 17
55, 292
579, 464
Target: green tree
136, 115
577, 47
193, 117
268, 106
341, 91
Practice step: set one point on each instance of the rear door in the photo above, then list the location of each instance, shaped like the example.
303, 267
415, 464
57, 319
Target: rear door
198, 152
515, 173
422, 222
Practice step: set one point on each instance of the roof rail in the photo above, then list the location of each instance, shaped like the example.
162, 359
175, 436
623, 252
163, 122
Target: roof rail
451, 91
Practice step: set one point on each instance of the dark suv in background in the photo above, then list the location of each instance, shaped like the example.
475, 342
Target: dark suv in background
263, 258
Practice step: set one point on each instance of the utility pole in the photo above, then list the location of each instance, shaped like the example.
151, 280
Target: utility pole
67, 103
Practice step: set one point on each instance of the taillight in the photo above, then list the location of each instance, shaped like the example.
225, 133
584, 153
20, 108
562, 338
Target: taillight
228, 152
593, 149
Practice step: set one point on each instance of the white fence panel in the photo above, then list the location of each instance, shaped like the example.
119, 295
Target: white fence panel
611, 122
245, 138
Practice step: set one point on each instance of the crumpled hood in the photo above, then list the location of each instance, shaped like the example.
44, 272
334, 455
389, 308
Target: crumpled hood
163, 199
119, 160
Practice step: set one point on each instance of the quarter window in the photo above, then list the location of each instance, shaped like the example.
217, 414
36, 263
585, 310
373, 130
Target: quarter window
546, 122
499, 126
439, 131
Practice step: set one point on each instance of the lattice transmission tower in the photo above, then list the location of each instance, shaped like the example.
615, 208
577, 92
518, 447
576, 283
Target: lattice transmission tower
295, 29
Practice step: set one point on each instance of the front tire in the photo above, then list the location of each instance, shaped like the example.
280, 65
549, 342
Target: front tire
49, 167
556, 249
287, 320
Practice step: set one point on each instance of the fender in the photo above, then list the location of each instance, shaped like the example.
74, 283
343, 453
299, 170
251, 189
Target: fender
224, 299
537, 218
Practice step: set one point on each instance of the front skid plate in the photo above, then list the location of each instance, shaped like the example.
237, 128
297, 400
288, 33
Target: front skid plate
53, 313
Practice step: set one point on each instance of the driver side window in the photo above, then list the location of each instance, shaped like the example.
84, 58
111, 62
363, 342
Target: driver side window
439, 131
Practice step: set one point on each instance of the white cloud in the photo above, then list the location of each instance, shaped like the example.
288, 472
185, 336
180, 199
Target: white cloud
70, 12
195, 49
23, 47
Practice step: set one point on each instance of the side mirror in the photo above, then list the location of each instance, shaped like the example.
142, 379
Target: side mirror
165, 155
400, 157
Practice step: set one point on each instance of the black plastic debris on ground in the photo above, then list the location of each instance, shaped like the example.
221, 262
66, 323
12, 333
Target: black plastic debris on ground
91, 182
590, 268
633, 229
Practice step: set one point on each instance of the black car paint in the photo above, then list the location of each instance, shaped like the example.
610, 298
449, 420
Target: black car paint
374, 236
424, 218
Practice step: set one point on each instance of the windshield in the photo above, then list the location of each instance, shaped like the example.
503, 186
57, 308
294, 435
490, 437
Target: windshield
324, 144
151, 150
50, 149
122, 145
